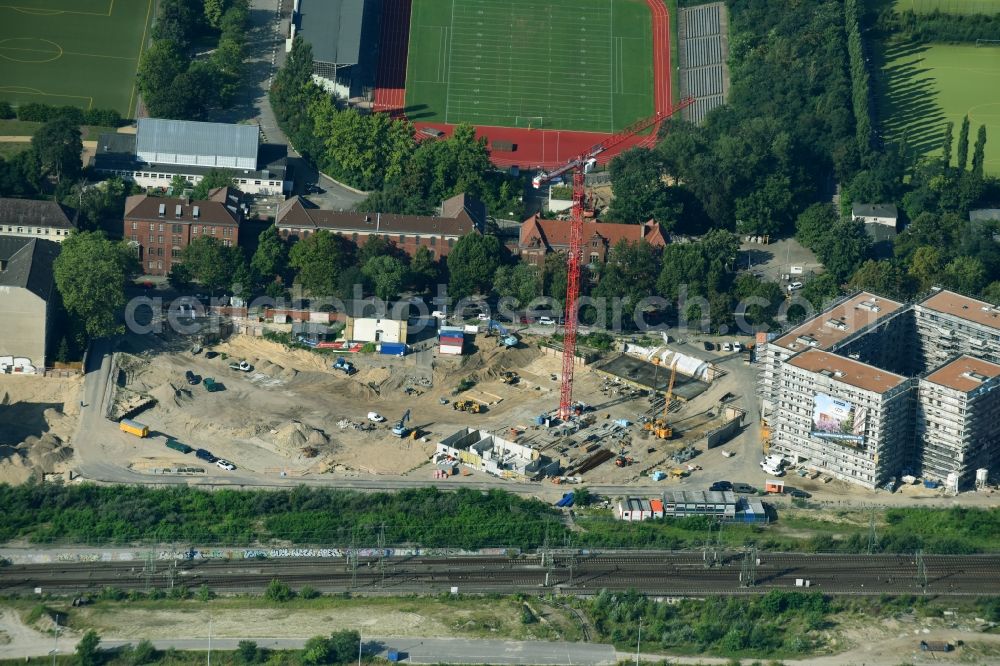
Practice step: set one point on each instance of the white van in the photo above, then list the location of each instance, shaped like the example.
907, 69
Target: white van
546, 321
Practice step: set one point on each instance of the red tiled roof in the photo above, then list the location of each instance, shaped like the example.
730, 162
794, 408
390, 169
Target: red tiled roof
144, 207
555, 233
293, 214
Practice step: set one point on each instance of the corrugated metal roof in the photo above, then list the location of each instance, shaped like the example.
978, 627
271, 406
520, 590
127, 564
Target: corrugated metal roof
187, 137
333, 28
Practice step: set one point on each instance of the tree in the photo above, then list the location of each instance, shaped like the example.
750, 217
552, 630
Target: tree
963, 145
378, 246
278, 591
814, 223
176, 21
926, 266
472, 264
554, 275
318, 651
979, 152
210, 262
319, 259
248, 651
946, 144
424, 270
521, 281
229, 61
629, 274
639, 191
58, 144
965, 274
821, 290
178, 184
143, 653
213, 12
881, 277
211, 180
270, 259
88, 651
193, 92
99, 203
387, 274
292, 94
159, 65
90, 274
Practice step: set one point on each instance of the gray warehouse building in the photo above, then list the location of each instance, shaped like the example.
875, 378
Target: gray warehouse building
344, 39
26, 303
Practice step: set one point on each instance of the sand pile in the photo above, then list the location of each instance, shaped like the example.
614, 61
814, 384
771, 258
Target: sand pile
295, 435
170, 394
46, 452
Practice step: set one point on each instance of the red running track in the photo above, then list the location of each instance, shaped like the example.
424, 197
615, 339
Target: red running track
535, 148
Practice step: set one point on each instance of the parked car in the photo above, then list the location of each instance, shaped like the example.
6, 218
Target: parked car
315, 189
798, 494
225, 464
794, 286
375, 417
546, 321
242, 366
737, 346
482, 316
205, 455
192, 378
721, 485
709, 346
727, 347
744, 489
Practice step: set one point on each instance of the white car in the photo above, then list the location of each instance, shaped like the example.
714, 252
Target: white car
483, 317
737, 346
727, 347
546, 321
794, 286
375, 417
226, 465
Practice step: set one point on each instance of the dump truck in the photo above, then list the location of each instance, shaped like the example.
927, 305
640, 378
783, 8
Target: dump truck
177, 446
134, 427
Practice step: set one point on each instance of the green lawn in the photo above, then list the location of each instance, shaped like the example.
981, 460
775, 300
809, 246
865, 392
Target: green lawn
560, 64
28, 128
8, 149
924, 86
72, 52
949, 6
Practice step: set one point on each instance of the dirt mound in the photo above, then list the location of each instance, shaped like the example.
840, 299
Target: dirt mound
46, 452
295, 435
170, 394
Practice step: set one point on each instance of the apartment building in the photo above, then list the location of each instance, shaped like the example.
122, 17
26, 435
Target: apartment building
958, 413
949, 324
843, 417
160, 228
841, 322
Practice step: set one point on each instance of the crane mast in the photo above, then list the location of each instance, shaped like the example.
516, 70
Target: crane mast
578, 165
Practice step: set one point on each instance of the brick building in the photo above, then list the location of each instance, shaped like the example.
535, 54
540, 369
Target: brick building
540, 237
458, 216
160, 228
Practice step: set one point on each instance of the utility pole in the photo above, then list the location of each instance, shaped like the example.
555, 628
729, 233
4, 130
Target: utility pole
381, 553
748, 575
149, 570
352, 563
638, 642
921, 571
209, 641
872, 536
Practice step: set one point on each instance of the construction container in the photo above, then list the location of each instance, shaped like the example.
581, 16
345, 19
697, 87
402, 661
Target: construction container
177, 446
455, 350
133, 427
393, 348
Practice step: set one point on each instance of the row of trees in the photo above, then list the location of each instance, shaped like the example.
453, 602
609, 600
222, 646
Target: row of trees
861, 95
939, 26
379, 153
174, 83
43, 113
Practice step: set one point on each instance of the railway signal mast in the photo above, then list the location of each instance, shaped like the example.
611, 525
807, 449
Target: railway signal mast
580, 165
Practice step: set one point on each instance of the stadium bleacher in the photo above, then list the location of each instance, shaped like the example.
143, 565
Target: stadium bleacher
702, 52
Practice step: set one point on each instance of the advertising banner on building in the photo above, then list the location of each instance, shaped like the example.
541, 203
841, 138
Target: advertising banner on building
837, 420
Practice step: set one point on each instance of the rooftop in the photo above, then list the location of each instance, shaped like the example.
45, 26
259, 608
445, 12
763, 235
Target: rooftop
36, 213
222, 208
874, 210
555, 233
965, 373
26, 263
847, 371
833, 325
333, 29
188, 139
963, 307
297, 213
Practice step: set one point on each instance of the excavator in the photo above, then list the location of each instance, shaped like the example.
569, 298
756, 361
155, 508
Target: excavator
659, 427
467, 406
400, 430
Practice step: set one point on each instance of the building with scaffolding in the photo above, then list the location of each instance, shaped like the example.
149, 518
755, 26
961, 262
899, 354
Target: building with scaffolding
482, 450
872, 389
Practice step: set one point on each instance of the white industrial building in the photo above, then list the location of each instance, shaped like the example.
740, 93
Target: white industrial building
161, 149
486, 452
26, 303
374, 329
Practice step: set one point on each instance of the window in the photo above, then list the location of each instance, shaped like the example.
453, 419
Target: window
195, 229
135, 225
402, 238
354, 237
152, 227
161, 226
593, 257
433, 241
159, 251
256, 182
243, 181
135, 239
451, 242
593, 243
191, 178
176, 240
159, 239
178, 228
212, 230
159, 265
175, 252
152, 265
227, 243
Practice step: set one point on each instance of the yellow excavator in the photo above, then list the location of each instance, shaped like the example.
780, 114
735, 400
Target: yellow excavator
659, 427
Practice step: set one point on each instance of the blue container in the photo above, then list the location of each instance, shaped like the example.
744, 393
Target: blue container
393, 656
928, 483
393, 348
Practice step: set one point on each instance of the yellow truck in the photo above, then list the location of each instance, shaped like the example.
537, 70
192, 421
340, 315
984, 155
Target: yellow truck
134, 427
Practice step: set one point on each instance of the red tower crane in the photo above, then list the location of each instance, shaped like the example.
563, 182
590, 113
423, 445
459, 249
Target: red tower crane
579, 165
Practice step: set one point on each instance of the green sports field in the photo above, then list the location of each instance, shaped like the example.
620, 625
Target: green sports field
72, 52
949, 6
928, 85
583, 65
